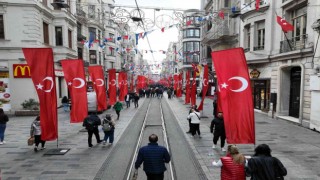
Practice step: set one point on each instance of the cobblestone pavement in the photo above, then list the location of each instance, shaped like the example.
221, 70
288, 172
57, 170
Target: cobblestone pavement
297, 147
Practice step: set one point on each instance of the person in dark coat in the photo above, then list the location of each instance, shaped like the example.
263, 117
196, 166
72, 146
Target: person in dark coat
263, 166
3, 124
91, 123
219, 132
136, 100
65, 103
153, 158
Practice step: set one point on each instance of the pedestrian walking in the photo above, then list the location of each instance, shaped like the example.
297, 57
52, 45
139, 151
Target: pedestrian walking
189, 119
194, 117
118, 107
3, 125
263, 166
35, 132
65, 103
136, 100
91, 123
127, 98
219, 132
232, 165
108, 126
153, 158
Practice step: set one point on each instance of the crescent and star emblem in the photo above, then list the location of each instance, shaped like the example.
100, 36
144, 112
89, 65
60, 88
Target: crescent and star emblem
112, 82
243, 81
284, 23
101, 82
40, 86
82, 82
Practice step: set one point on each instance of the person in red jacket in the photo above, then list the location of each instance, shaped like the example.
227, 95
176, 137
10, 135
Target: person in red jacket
232, 165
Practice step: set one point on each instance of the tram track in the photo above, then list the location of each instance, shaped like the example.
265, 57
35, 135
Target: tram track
153, 117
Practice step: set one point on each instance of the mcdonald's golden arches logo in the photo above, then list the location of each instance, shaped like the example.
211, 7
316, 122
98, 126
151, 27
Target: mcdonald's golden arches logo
21, 71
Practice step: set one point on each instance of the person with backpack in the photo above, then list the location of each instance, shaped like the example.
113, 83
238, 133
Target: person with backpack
91, 123
108, 126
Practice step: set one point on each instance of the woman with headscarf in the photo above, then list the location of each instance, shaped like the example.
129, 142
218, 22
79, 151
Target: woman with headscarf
232, 165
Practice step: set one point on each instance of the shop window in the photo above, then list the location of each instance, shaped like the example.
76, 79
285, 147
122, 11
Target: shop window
59, 39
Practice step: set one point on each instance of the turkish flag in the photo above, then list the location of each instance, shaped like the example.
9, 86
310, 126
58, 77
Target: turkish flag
235, 95
187, 98
257, 5
112, 87
175, 79
40, 61
97, 77
221, 14
179, 88
193, 92
73, 70
284, 25
188, 23
123, 85
204, 86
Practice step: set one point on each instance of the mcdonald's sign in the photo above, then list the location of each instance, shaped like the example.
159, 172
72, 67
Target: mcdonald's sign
21, 71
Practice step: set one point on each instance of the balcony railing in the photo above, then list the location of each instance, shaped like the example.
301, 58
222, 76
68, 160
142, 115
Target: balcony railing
294, 43
256, 48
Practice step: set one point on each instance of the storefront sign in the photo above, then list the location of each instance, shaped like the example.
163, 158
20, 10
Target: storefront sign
21, 71
254, 73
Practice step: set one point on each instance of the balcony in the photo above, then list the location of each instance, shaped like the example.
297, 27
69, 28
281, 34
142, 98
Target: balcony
293, 44
221, 32
246, 49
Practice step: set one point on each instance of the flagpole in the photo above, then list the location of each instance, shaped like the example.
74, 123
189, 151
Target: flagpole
285, 35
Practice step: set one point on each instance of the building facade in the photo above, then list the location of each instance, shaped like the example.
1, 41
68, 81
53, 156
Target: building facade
283, 67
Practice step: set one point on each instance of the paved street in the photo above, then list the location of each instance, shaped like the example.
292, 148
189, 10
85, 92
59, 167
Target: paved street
298, 148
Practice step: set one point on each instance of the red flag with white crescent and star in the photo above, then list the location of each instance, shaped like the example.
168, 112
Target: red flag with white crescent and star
193, 92
285, 26
73, 70
235, 93
112, 86
187, 98
40, 61
204, 86
123, 85
99, 85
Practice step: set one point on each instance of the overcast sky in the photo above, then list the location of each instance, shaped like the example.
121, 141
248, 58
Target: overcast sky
159, 40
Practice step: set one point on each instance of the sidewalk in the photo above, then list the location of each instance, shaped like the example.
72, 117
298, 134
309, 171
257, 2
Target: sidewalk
297, 147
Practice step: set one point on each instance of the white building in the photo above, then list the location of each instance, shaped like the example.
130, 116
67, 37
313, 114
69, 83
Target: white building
284, 67
26, 23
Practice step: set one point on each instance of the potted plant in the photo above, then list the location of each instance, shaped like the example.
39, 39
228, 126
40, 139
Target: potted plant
30, 107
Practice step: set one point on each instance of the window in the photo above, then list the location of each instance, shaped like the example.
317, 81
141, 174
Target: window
191, 33
100, 62
191, 51
1, 27
299, 18
92, 32
93, 57
45, 33
70, 38
80, 53
59, 40
91, 11
259, 43
111, 36
247, 37
227, 3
